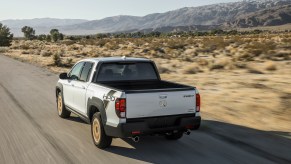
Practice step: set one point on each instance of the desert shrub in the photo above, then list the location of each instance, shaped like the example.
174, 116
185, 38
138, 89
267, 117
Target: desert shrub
213, 43
279, 56
258, 48
145, 50
25, 52
220, 63
240, 65
216, 66
245, 56
3, 49
69, 62
5, 36
254, 70
57, 60
112, 46
270, 66
191, 69
160, 50
61, 52
68, 42
100, 42
163, 69
46, 53
202, 62
37, 52
176, 44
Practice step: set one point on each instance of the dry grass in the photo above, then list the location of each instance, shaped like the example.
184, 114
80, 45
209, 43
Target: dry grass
238, 76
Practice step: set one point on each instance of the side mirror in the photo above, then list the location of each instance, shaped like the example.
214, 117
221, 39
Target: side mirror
63, 76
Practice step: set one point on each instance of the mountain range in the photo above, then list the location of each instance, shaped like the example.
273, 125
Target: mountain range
247, 13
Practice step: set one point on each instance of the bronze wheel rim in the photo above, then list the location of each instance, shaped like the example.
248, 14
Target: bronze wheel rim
60, 104
96, 130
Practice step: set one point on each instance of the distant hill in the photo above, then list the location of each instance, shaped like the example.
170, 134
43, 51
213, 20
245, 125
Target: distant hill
237, 14
168, 29
273, 16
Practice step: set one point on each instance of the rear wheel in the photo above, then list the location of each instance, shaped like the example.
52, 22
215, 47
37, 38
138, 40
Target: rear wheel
196, 127
174, 136
62, 111
100, 139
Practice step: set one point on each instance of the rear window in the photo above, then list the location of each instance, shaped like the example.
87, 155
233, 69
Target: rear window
126, 72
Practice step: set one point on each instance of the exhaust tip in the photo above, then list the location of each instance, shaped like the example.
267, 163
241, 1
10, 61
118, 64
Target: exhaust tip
188, 132
135, 139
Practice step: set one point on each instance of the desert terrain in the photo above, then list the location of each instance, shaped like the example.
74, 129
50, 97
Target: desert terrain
243, 79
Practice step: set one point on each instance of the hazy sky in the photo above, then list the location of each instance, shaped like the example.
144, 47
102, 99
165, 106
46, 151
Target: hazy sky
91, 9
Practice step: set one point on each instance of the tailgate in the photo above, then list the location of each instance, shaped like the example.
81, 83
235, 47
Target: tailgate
160, 103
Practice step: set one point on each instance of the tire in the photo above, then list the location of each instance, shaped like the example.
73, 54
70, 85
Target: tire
174, 136
100, 139
196, 127
62, 111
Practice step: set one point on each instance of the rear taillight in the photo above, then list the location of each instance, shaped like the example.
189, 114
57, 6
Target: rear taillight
198, 102
120, 107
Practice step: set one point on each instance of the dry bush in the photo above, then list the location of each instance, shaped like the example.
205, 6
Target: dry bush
4, 49
100, 42
68, 42
175, 43
69, 63
111, 46
25, 52
258, 48
37, 52
46, 53
57, 60
240, 65
270, 66
254, 70
220, 64
214, 43
279, 56
163, 69
24, 46
202, 62
244, 56
73, 47
216, 66
191, 69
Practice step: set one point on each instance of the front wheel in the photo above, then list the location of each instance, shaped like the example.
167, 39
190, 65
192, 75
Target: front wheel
62, 111
100, 139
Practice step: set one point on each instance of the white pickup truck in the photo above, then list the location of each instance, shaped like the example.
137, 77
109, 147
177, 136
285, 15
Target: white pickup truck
126, 98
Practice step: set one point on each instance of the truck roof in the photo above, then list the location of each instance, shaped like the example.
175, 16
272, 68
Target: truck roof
113, 59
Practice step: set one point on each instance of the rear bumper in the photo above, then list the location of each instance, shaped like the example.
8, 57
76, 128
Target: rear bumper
148, 126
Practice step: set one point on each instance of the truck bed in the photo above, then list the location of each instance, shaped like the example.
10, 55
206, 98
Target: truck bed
146, 86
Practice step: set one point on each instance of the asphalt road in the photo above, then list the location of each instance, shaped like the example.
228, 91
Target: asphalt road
32, 132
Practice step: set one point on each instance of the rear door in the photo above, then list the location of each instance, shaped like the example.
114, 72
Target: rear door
160, 103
